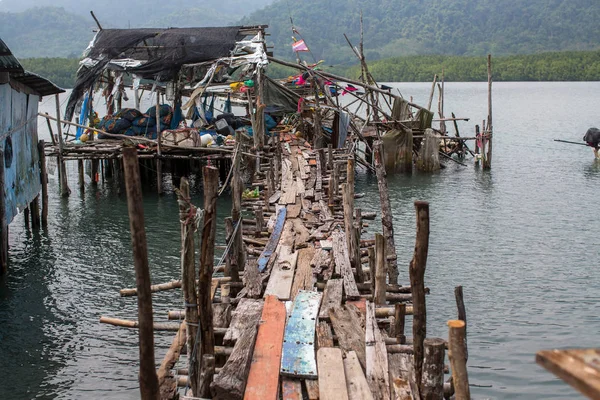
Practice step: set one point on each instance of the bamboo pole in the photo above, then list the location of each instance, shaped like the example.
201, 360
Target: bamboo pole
3, 222
188, 272
211, 187
417, 284
386, 212
148, 378
44, 180
380, 270
64, 187
458, 360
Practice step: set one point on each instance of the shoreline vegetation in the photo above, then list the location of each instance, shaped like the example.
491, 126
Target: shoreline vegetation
553, 66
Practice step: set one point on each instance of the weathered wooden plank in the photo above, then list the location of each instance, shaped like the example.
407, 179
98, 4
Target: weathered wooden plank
263, 379
320, 261
332, 296
342, 265
376, 357
324, 335
288, 184
275, 197
312, 389
401, 373
358, 388
301, 233
247, 312
347, 324
319, 182
298, 359
325, 212
230, 383
273, 240
332, 379
291, 389
303, 279
302, 165
579, 368
282, 275
300, 189
293, 211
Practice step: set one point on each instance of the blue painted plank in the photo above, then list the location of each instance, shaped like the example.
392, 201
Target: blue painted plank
273, 240
298, 355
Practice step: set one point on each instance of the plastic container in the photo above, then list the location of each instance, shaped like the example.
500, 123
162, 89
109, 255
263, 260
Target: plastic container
206, 140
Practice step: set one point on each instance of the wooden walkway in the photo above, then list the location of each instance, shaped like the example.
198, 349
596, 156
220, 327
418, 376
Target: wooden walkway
311, 313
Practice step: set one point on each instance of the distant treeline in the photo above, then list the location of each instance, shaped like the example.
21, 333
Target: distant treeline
557, 66
561, 66
61, 71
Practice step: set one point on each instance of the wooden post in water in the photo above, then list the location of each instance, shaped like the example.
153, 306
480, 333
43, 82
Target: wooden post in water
488, 160
209, 231
148, 378
159, 186
380, 270
417, 284
432, 383
188, 281
462, 313
81, 178
458, 359
26, 217
3, 223
35, 213
64, 187
432, 92
348, 200
44, 180
386, 211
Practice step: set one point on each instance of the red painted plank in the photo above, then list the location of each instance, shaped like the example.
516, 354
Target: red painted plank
360, 304
291, 389
263, 379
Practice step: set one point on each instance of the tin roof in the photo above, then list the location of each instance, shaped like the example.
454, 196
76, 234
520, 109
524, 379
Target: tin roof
8, 63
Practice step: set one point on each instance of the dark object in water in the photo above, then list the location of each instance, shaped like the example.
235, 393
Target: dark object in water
592, 137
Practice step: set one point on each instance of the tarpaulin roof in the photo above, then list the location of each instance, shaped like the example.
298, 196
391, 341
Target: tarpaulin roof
156, 54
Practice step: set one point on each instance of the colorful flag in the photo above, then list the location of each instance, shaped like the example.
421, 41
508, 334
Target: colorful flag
299, 46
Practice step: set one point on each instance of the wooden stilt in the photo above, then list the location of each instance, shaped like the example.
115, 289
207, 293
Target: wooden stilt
35, 213
386, 212
81, 176
488, 159
44, 180
211, 187
188, 270
159, 183
26, 217
3, 222
380, 270
147, 376
62, 170
458, 360
432, 384
417, 284
238, 261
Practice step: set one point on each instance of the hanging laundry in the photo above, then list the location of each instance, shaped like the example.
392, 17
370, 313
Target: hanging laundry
349, 89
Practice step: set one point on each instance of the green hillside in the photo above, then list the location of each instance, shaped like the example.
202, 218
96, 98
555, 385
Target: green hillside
453, 27
46, 32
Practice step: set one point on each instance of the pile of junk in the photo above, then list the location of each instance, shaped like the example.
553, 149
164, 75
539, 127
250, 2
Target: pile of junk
184, 70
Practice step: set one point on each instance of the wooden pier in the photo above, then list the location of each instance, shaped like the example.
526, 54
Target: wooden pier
304, 304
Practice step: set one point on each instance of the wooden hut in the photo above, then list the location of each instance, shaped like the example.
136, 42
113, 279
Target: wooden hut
20, 168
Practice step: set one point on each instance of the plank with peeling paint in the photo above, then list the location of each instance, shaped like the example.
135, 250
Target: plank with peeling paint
298, 359
273, 240
263, 379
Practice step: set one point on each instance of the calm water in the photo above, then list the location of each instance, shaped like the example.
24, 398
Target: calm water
520, 239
